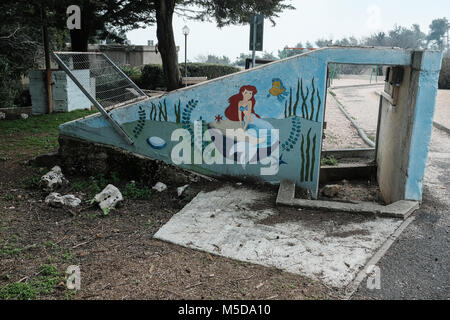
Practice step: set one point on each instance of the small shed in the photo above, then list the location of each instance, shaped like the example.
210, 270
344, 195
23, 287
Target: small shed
66, 94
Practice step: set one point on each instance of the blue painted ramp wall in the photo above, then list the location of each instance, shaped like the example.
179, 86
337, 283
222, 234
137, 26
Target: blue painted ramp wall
281, 106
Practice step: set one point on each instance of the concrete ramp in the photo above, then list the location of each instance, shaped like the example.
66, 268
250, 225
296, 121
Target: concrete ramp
265, 123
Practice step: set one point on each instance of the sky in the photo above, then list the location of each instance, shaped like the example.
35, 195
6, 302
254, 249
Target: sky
311, 20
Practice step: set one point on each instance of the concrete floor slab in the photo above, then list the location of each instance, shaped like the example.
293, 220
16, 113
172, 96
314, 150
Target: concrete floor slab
246, 225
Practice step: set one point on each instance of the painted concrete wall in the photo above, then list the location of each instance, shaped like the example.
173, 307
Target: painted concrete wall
66, 95
405, 130
288, 98
393, 141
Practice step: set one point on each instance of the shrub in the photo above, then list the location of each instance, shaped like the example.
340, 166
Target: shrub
444, 77
153, 76
134, 73
209, 70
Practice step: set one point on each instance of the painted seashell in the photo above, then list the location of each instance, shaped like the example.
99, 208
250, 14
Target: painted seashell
157, 143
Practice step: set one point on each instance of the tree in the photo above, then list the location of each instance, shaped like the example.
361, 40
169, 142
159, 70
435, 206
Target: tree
321, 43
438, 29
240, 61
98, 16
21, 43
286, 52
408, 38
222, 12
214, 59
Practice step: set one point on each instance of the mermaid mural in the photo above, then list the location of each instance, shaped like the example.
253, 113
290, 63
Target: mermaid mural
242, 105
252, 139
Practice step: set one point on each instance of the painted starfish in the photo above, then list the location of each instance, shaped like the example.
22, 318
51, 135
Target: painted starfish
219, 118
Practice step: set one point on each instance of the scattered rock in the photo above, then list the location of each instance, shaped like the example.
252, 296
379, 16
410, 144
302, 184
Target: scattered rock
108, 198
160, 187
331, 190
54, 199
180, 190
53, 179
24, 116
2, 115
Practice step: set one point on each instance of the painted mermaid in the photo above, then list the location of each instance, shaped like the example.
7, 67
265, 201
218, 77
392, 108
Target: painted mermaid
242, 106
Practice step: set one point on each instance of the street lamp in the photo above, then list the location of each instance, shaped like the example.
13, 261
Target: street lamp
185, 32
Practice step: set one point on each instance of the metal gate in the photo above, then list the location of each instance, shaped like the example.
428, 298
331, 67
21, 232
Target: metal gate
103, 83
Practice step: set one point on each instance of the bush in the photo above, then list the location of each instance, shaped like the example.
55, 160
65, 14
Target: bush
134, 73
209, 70
153, 76
444, 77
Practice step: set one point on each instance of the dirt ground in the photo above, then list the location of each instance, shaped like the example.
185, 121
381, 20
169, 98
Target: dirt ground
116, 253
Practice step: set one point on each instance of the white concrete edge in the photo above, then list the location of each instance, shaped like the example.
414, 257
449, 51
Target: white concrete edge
357, 86
354, 285
439, 126
361, 132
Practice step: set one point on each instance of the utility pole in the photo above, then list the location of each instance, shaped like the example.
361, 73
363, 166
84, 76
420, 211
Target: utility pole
48, 70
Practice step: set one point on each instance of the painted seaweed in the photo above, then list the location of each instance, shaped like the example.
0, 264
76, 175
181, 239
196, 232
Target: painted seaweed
177, 111
310, 110
313, 159
141, 122
308, 157
302, 169
294, 135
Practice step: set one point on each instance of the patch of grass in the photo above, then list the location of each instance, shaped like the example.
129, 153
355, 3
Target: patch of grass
18, 291
30, 182
94, 185
43, 285
10, 250
329, 161
67, 256
37, 134
10, 247
135, 193
91, 187
92, 215
47, 123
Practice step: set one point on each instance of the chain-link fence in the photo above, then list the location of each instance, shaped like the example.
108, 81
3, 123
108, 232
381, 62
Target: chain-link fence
106, 82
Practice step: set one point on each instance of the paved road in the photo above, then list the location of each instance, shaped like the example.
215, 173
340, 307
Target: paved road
417, 266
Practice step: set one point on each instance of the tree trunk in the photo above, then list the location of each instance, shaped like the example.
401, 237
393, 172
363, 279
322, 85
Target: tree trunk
79, 38
166, 43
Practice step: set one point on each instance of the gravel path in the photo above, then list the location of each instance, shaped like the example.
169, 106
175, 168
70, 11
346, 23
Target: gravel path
363, 104
417, 265
442, 113
340, 134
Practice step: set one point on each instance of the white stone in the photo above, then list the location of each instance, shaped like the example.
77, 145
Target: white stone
160, 187
53, 178
109, 197
2, 115
180, 190
24, 116
56, 200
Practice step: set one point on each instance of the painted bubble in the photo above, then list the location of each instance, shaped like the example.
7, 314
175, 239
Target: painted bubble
156, 143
